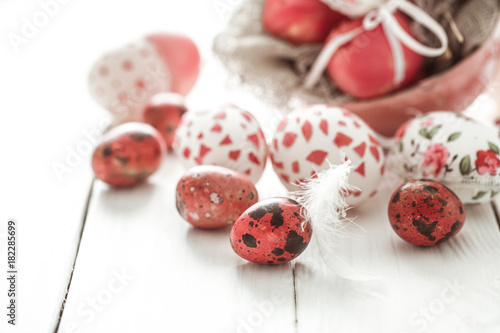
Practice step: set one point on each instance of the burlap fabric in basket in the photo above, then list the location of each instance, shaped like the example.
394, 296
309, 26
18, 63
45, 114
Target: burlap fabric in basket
275, 69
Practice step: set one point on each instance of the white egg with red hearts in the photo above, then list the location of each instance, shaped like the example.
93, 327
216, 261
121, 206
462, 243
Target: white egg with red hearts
308, 139
229, 137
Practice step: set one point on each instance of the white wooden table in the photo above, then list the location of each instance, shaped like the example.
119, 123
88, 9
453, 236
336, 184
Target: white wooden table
95, 259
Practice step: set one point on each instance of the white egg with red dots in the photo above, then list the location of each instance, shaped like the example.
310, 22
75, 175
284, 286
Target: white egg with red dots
126, 78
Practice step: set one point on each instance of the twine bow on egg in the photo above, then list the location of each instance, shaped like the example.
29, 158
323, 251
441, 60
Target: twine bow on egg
396, 35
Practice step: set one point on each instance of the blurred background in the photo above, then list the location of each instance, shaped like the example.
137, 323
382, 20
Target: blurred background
46, 112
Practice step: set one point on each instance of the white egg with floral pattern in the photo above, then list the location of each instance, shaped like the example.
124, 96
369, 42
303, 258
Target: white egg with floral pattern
453, 149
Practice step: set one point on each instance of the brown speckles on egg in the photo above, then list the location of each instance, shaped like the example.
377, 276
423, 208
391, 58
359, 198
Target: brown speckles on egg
454, 229
442, 202
396, 197
107, 151
257, 213
425, 212
277, 220
295, 243
208, 192
425, 228
278, 252
164, 112
122, 160
249, 240
430, 189
276, 225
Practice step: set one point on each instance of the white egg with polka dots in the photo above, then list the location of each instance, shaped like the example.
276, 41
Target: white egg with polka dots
229, 137
308, 140
125, 79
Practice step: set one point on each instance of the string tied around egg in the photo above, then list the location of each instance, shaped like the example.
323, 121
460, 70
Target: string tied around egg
396, 35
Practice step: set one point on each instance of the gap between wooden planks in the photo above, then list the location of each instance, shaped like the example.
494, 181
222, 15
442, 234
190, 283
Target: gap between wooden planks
454, 287
183, 279
86, 209
45, 107
188, 272
494, 206
189, 279
148, 270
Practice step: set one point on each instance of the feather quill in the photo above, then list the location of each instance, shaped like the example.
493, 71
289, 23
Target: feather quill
325, 207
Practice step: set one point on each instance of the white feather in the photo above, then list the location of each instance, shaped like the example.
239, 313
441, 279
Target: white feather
324, 206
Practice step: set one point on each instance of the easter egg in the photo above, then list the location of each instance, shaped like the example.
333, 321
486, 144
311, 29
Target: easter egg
308, 139
365, 66
128, 155
228, 137
354, 8
299, 21
457, 151
164, 112
271, 232
182, 57
425, 212
123, 80
209, 196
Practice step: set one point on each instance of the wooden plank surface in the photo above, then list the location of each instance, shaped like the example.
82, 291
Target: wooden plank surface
454, 287
44, 109
141, 268
177, 278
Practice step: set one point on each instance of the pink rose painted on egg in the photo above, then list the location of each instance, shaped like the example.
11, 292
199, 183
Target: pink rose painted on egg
487, 162
460, 153
434, 160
